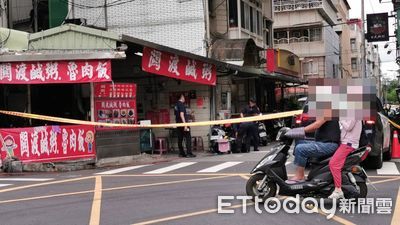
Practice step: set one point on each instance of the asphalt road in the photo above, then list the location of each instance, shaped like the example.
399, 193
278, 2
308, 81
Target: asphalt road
183, 191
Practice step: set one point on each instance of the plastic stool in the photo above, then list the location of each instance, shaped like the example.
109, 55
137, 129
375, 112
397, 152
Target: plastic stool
197, 143
161, 145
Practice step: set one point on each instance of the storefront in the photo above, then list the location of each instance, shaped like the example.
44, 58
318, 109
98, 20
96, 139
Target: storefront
53, 75
257, 74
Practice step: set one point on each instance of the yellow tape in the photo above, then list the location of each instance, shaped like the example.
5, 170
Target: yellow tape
394, 124
172, 125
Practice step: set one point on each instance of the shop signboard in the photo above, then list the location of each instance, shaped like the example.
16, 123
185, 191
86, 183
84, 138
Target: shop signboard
48, 143
115, 103
377, 27
178, 67
53, 72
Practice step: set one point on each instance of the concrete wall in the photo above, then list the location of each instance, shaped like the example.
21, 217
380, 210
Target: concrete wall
331, 40
294, 18
178, 24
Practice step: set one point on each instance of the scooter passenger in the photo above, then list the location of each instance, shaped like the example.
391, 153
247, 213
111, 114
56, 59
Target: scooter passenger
327, 139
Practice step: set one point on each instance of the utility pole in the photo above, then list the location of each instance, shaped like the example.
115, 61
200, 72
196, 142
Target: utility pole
105, 15
35, 16
363, 53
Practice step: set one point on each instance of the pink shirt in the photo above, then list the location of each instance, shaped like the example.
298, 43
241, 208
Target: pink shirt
350, 131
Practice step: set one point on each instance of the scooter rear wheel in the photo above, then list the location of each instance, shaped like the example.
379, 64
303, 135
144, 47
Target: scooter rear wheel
266, 191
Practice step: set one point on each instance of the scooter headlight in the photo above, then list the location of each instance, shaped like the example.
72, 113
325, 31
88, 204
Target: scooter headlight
264, 161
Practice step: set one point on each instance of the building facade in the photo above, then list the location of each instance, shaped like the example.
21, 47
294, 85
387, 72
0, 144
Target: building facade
306, 29
356, 48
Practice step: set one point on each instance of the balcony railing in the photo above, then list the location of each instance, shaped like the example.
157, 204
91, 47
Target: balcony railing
291, 5
292, 40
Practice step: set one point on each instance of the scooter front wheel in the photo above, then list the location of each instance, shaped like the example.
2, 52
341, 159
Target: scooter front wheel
255, 187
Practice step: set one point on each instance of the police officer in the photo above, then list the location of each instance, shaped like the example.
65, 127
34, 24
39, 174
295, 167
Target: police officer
181, 116
249, 129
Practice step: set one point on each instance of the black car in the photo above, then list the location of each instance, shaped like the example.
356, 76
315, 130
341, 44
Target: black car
378, 131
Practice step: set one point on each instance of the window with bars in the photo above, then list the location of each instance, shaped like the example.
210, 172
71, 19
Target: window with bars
251, 16
354, 63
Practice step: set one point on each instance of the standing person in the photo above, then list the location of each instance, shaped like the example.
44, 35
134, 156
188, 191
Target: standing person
249, 129
181, 116
350, 131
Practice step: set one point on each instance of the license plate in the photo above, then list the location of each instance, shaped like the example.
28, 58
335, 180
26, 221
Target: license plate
263, 134
213, 138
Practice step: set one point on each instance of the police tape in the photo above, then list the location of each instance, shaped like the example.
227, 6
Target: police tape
171, 125
394, 124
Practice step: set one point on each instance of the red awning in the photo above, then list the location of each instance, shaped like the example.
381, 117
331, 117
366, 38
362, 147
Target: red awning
178, 67
46, 72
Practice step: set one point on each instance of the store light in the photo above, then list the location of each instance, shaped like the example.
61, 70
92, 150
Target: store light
138, 53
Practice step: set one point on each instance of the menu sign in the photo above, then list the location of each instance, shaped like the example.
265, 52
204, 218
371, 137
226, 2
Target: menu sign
115, 103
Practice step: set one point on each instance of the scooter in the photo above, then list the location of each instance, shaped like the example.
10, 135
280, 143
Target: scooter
219, 132
270, 173
262, 132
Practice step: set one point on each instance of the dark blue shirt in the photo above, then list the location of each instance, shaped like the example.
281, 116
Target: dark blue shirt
180, 107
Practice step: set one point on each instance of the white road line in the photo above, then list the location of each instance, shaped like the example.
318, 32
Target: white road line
4, 185
388, 168
219, 167
170, 168
26, 179
120, 170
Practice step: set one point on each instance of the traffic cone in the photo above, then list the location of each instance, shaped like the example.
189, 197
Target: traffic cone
395, 146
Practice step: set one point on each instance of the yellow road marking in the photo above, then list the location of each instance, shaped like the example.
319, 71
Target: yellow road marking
244, 177
44, 184
107, 189
204, 174
384, 181
188, 215
96, 205
174, 174
46, 196
162, 183
335, 217
396, 213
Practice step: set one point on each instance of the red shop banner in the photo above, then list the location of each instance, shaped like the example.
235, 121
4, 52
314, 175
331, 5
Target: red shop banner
48, 143
117, 90
178, 67
44, 72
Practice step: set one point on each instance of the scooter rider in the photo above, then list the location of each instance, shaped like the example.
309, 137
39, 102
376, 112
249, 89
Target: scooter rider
249, 129
327, 139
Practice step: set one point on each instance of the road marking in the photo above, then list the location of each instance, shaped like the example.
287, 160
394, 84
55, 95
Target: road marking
188, 215
396, 213
109, 189
244, 177
386, 180
388, 168
96, 205
45, 196
170, 168
164, 183
219, 167
26, 179
43, 184
120, 170
5, 185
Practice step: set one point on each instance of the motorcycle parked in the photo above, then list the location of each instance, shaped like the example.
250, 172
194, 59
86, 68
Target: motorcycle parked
262, 132
219, 132
271, 172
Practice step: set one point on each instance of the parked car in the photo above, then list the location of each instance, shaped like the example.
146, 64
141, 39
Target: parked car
377, 129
